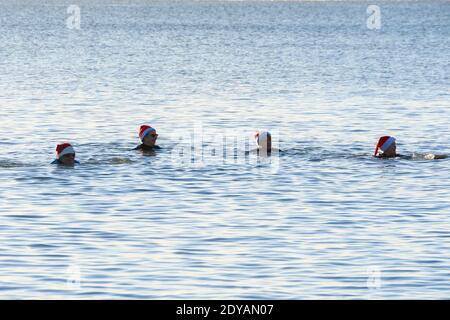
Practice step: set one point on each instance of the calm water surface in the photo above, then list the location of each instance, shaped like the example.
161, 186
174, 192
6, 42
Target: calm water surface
329, 222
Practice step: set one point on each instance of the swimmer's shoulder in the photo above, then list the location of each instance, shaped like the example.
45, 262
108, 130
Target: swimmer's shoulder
273, 151
146, 148
402, 156
397, 156
58, 162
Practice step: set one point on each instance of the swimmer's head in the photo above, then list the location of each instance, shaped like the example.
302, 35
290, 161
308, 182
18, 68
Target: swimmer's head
65, 153
386, 146
264, 140
148, 135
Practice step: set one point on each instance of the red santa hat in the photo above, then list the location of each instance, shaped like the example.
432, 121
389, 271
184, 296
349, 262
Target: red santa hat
261, 138
145, 130
383, 144
63, 149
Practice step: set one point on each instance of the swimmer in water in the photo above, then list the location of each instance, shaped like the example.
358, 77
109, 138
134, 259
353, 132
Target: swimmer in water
65, 155
264, 142
148, 137
387, 148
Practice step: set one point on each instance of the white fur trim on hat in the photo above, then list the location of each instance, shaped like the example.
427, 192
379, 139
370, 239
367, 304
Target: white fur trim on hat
146, 131
261, 139
387, 144
66, 150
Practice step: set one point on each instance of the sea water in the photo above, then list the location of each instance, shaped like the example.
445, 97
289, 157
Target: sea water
321, 219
